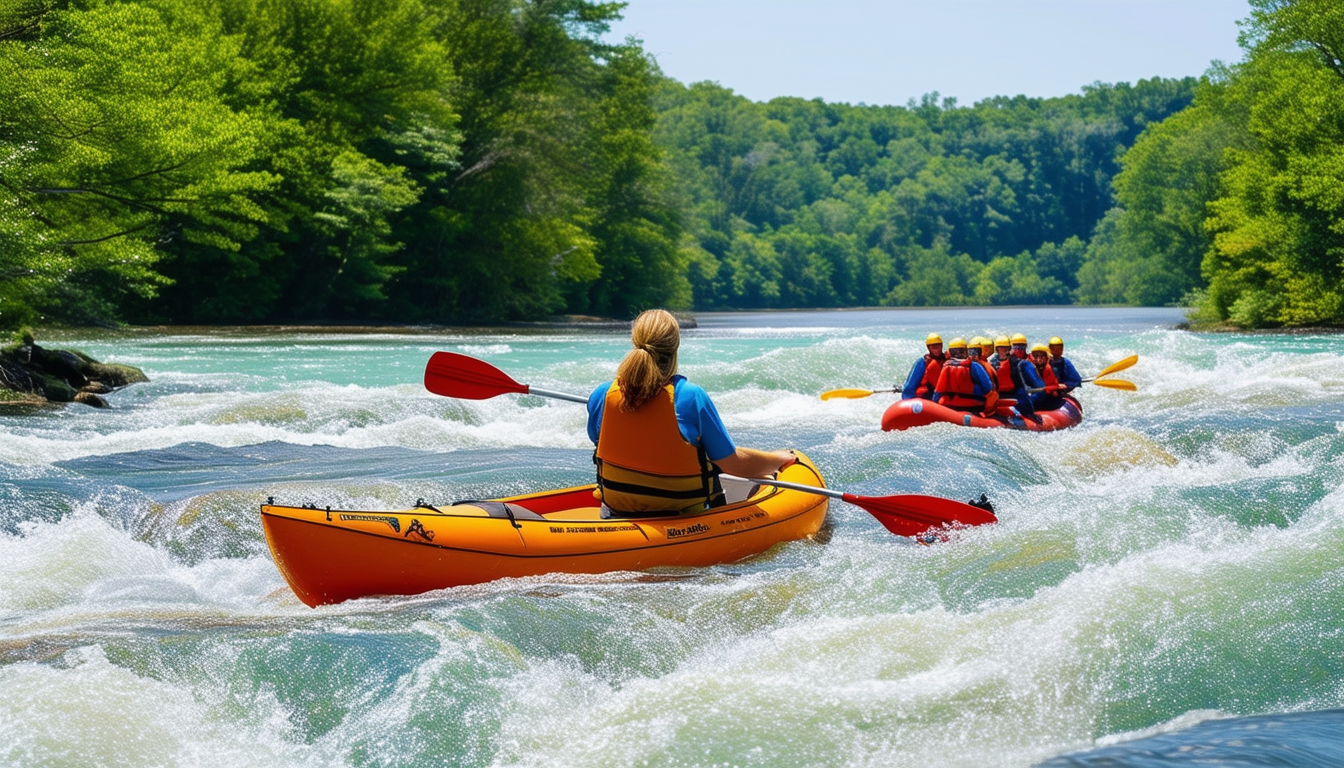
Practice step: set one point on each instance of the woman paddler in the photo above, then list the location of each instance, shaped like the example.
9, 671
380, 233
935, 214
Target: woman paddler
660, 441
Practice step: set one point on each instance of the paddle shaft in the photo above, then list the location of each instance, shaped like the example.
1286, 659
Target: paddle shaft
791, 486
557, 395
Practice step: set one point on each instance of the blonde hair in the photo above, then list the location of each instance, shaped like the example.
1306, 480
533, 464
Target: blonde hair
647, 368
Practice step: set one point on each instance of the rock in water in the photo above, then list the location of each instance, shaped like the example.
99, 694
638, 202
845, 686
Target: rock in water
33, 375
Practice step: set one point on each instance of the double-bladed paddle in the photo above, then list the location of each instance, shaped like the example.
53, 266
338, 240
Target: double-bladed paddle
454, 375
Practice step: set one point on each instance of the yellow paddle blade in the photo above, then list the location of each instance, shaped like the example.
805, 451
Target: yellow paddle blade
1117, 367
850, 393
1128, 386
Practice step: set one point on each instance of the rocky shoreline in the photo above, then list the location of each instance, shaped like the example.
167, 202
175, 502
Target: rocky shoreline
33, 376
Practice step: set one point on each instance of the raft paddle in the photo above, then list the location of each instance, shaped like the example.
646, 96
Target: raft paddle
453, 375
853, 393
1128, 386
909, 514
1117, 366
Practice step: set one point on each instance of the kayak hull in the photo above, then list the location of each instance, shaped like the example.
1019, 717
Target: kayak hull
328, 556
916, 412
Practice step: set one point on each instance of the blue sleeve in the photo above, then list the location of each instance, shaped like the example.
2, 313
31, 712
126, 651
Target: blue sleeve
699, 421
1029, 375
980, 379
912, 381
596, 403
1071, 377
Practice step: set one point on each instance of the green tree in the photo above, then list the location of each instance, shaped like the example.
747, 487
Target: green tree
354, 121
1278, 228
1149, 249
636, 226
116, 138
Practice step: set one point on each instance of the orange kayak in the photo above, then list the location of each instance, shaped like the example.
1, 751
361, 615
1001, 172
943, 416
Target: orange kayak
916, 412
328, 555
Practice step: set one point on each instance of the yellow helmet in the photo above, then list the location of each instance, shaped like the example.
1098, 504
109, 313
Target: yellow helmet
1055, 341
1019, 338
1040, 348
986, 343
1002, 341
957, 343
976, 341
932, 338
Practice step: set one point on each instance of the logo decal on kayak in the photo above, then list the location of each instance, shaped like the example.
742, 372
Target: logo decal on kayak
743, 519
593, 528
917, 407
419, 530
392, 522
966, 420
690, 530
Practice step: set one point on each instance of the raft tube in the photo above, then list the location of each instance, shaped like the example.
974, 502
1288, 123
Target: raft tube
916, 412
328, 556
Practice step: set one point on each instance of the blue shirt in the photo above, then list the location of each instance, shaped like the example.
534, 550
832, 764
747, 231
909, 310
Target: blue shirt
697, 418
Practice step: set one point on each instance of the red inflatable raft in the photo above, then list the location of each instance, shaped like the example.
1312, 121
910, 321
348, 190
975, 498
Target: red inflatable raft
904, 414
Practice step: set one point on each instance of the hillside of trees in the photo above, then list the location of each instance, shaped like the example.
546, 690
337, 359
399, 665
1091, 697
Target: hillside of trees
480, 161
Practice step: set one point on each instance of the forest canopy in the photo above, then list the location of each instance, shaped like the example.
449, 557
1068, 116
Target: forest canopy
481, 161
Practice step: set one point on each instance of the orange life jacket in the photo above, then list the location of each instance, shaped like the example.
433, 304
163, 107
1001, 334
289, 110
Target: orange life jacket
956, 389
644, 464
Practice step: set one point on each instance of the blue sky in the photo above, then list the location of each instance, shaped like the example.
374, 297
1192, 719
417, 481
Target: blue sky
889, 52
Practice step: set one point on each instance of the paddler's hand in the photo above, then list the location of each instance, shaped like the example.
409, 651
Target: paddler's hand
749, 462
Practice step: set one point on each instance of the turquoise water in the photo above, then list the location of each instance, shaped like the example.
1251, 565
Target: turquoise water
1176, 560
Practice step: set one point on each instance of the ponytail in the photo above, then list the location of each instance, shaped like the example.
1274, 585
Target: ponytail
648, 367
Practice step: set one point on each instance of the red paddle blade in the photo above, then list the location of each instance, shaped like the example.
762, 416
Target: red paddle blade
913, 514
453, 375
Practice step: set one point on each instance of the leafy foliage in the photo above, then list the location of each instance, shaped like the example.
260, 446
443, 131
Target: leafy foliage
797, 203
210, 161
114, 138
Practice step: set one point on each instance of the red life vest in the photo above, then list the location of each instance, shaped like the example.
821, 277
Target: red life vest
929, 384
1048, 376
956, 389
645, 465
1007, 387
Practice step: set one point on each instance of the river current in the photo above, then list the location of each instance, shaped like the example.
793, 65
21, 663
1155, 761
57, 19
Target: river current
1166, 580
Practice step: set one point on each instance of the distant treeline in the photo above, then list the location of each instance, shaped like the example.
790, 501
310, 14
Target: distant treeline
476, 161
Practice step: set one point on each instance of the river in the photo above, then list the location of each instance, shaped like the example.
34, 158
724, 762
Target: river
1176, 560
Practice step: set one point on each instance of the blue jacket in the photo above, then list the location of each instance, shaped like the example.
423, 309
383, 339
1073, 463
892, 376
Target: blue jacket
1065, 373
